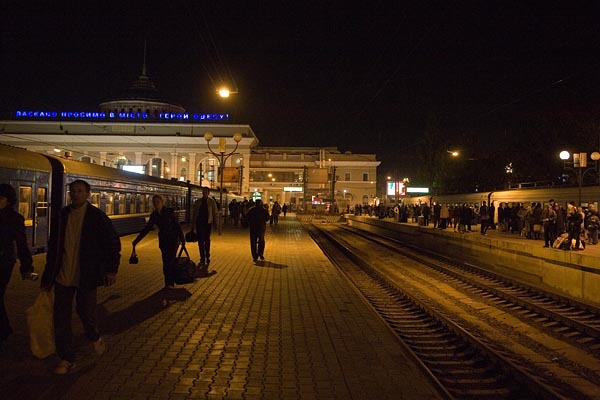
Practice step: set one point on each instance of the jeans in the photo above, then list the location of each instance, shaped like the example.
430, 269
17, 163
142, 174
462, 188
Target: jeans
63, 306
204, 242
257, 243
5, 274
169, 254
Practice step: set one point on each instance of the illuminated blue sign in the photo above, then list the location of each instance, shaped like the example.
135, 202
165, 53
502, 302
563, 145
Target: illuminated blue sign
85, 115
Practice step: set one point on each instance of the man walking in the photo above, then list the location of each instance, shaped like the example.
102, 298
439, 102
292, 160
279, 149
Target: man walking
204, 214
257, 221
83, 253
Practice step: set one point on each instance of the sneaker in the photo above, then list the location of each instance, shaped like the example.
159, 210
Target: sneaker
100, 346
261, 257
171, 286
63, 367
32, 276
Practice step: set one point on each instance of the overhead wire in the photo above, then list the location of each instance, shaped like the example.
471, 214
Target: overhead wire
213, 55
219, 56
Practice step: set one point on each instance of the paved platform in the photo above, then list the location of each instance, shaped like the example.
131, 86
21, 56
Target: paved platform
291, 328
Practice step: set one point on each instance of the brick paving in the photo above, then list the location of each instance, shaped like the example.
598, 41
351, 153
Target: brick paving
291, 328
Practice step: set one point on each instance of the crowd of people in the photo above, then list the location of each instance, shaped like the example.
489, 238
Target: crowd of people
84, 253
549, 221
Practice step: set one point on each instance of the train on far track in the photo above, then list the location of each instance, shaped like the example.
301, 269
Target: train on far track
42, 185
560, 194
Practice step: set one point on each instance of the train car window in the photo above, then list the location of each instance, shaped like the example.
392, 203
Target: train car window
131, 209
42, 199
122, 203
145, 206
95, 199
25, 203
109, 203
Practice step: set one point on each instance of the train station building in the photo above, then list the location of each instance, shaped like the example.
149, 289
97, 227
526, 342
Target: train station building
142, 132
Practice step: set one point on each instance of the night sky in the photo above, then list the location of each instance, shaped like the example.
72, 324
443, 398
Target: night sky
364, 79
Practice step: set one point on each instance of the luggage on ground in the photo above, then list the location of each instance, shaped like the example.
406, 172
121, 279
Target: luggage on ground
185, 268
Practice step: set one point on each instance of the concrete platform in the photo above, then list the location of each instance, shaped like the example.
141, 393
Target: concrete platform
291, 328
574, 274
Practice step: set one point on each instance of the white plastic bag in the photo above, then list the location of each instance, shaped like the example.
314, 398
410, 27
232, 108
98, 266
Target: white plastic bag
41, 325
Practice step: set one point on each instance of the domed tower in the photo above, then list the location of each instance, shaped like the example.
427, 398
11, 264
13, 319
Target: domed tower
141, 98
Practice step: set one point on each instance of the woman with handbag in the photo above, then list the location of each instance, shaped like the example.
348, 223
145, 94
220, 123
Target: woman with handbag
12, 231
169, 237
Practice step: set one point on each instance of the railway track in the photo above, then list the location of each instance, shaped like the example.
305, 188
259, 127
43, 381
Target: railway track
463, 360
568, 319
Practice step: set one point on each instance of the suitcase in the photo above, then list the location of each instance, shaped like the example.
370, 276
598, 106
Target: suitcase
561, 242
185, 268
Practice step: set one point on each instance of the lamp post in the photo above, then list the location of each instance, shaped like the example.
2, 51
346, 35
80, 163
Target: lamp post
225, 92
579, 166
222, 156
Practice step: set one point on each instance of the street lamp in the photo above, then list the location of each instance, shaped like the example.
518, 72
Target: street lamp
579, 166
225, 92
222, 156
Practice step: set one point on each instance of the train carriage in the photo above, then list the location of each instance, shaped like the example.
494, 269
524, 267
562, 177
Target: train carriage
30, 174
561, 195
124, 196
42, 185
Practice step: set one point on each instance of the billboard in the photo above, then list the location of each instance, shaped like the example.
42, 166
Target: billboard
317, 175
231, 174
140, 169
394, 188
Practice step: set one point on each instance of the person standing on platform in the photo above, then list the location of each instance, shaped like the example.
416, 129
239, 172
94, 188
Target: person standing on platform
83, 253
549, 224
12, 235
284, 209
234, 211
169, 237
484, 213
257, 221
275, 211
593, 224
204, 214
574, 221
444, 216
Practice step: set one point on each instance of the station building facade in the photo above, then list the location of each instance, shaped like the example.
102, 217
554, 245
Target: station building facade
141, 131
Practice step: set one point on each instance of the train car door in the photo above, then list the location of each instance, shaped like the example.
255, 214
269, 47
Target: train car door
40, 221
25, 208
35, 212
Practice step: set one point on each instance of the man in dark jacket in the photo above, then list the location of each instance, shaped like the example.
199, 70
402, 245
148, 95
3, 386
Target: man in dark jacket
82, 255
12, 236
257, 221
574, 220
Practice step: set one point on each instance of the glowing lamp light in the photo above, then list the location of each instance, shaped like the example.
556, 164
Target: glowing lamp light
564, 155
224, 92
